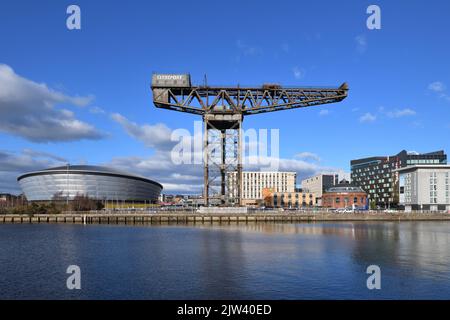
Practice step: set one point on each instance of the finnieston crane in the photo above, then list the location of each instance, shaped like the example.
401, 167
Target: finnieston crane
223, 110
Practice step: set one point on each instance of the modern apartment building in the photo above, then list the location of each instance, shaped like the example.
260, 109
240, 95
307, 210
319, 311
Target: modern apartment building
318, 184
379, 178
424, 187
253, 183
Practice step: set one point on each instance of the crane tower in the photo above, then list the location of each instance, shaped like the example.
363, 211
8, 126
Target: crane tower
223, 110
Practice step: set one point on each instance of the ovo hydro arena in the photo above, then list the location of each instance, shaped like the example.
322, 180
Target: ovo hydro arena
96, 182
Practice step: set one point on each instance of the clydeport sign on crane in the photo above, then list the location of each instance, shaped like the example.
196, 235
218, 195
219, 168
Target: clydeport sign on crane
223, 110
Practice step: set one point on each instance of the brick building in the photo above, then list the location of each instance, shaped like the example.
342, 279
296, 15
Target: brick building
345, 195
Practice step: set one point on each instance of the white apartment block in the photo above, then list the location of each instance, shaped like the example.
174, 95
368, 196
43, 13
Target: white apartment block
253, 183
425, 187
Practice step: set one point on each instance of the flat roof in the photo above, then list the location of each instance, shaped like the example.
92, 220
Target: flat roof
268, 171
423, 166
400, 154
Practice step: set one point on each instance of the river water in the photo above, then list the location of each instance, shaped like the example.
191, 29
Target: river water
254, 261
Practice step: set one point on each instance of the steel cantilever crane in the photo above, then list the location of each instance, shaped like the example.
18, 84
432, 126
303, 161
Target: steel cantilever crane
223, 110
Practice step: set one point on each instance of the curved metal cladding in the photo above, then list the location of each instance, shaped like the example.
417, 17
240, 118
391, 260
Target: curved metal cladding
95, 182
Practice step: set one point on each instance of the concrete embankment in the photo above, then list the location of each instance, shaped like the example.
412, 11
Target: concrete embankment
193, 218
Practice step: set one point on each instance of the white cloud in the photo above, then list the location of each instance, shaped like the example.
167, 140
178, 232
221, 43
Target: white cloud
307, 156
176, 178
439, 89
188, 178
96, 110
398, 113
27, 109
382, 111
361, 43
182, 178
14, 164
153, 136
41, 154
436, 86
367, 117
417, 124
298, 72
303, 168
324, 112
246, 50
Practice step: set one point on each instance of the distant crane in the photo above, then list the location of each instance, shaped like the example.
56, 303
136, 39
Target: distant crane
223, 110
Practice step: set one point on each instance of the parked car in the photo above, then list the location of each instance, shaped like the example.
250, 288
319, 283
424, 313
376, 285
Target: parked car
344, 210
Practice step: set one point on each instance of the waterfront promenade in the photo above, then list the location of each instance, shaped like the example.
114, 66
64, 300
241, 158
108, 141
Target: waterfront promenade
124, 217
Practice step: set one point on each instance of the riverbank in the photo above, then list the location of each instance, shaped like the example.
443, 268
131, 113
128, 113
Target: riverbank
195, 218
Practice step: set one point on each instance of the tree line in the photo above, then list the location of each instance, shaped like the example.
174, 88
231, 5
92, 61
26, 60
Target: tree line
57, 205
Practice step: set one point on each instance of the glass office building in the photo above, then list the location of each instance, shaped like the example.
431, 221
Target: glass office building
377, 175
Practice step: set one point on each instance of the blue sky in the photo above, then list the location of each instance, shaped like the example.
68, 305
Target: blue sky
399, 79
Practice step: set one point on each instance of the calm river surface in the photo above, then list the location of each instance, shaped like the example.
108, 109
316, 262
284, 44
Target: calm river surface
254, 261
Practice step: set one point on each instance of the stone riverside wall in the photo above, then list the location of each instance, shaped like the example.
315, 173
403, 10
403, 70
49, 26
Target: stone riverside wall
183, 217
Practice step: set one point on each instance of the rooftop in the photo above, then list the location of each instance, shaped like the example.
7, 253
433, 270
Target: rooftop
423, 166
87, 169
402, 154
344, 186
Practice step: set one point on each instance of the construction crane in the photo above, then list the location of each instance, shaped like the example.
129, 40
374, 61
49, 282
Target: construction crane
223, 110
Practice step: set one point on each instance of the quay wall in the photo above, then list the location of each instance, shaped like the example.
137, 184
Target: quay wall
196, 218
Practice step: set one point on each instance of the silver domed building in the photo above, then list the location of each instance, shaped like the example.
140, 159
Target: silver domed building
93, 181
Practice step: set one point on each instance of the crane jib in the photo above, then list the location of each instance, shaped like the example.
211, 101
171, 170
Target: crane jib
223, 110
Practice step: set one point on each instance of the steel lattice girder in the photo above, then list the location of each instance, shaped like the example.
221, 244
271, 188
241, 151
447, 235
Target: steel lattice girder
222, 157
245, 101
224, 107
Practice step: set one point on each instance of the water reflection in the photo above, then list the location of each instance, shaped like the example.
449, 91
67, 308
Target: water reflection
422, 247
227, 261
